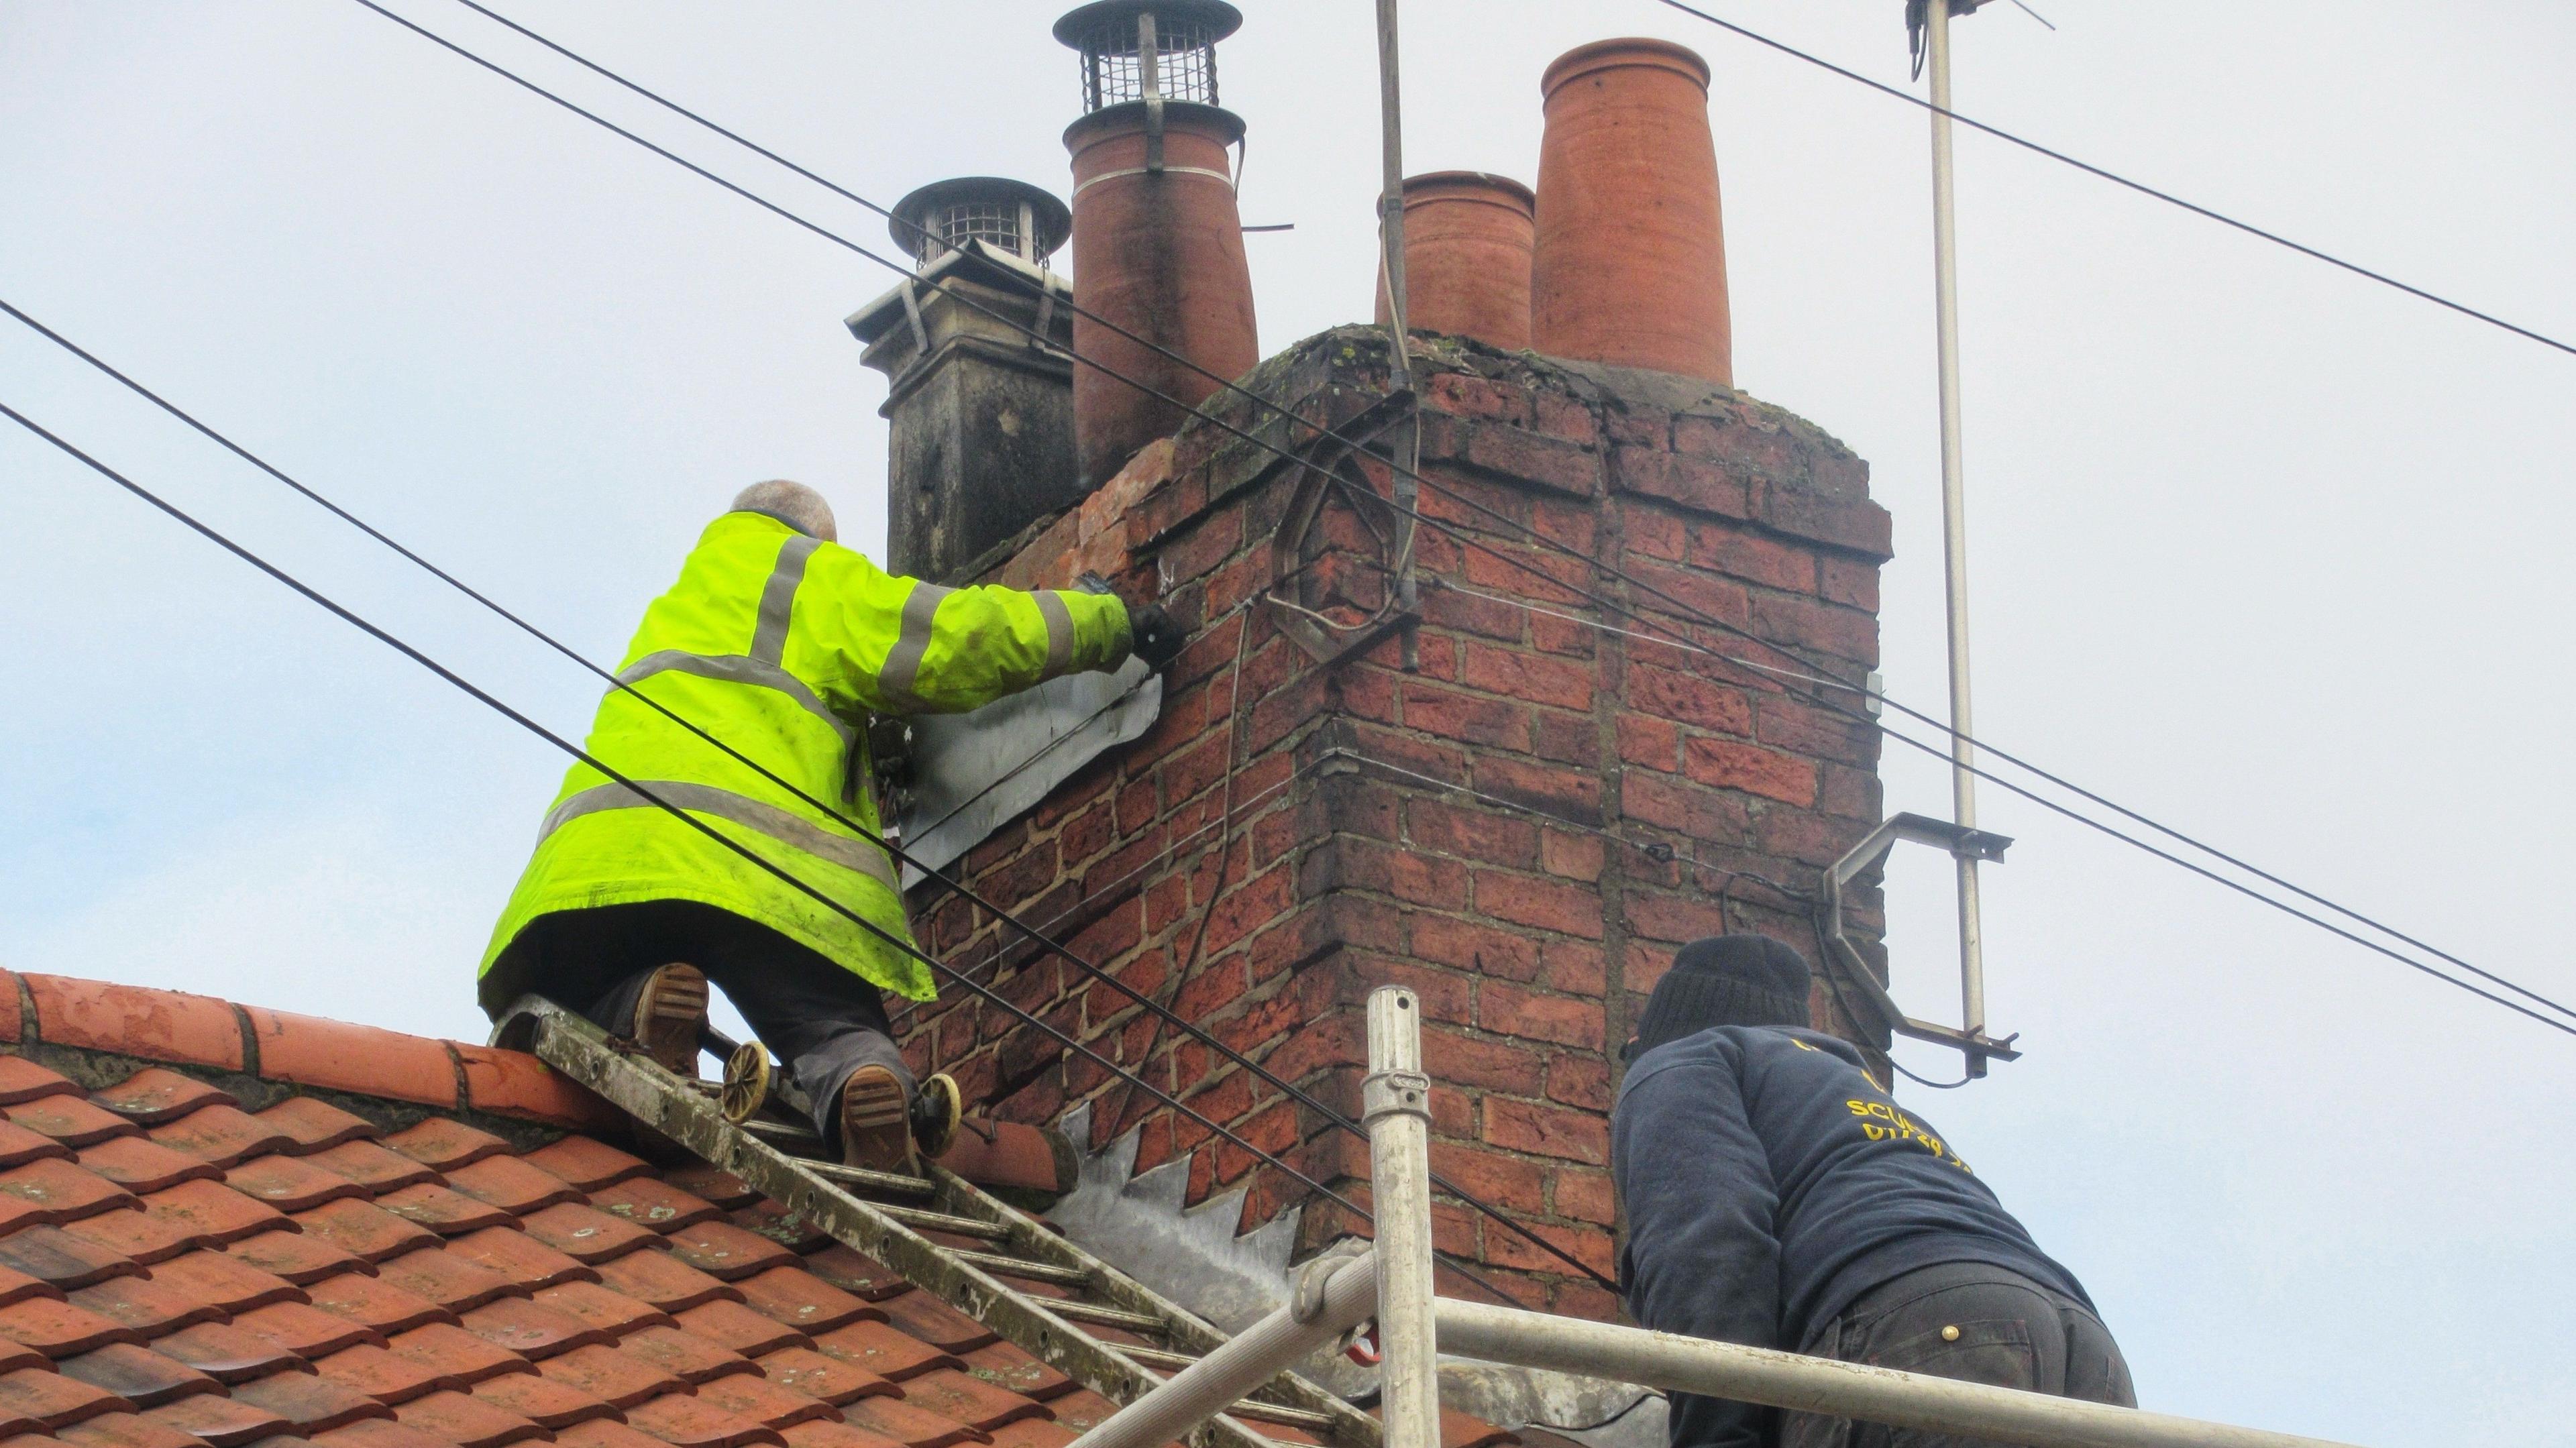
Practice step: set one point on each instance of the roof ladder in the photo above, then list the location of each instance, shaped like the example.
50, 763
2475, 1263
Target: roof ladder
946, 1236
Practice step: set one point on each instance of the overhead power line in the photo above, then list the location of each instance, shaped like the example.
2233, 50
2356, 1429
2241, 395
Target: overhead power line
2116, 179
1532, 534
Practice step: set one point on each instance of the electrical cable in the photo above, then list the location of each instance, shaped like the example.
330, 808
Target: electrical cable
2117, 179
1414, 474
641, 791
858, 827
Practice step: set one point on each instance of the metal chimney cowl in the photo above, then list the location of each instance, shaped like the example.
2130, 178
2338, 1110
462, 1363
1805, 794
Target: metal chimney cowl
981, 414
1157, 241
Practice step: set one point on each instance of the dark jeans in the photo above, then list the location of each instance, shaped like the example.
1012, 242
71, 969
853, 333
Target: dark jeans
1969, 1321
822, 1020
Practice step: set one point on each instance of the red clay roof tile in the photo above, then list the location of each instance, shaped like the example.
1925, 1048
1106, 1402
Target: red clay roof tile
317, 1125
586, 1234
1033, 1433
157, 1094
1015, 1155
227, 1353
467, 1421
885, 1350
299, 1257
1082, 1410
684, 1422
313, 1404
935, 1322
54, 1192
612, 1313
611, 1376
510, 1184
224, 1135
587, 1164
661, 1280
464, 1356
18, 1145
372, 1433
857, 1273
531, 1329
542, 1401
721, 1250
894, 1418
830, 1379
601, 1433
127, 1430
1459, 1430
290, 1185
764, 1401
54, 1400
649, 1203
222, 1422
17, 1355
713, 1183
447, 1212
389, 1379
969, 1399
149, 1306
60, 1330
791, 1230
17, 1286
307, 1332
515, 1255
71, 1120
371, 1166
158, 1025
140, 1164
138, 1374
1005, 1365
801, 1300
61, 1260
449, 1280
374, 1302
512, 1083
225, 1281
24, 1080
215, 1212
444, 1145
340, 1056
365, 1230
691, 1359
737, 1328
139, 1236
821, 1434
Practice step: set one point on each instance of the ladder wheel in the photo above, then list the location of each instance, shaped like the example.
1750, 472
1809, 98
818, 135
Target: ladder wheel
746, 1082
936, 1111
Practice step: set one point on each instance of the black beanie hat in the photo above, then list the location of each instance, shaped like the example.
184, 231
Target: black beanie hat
1724, 980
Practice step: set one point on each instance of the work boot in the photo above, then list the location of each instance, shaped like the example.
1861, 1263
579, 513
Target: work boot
937, 1111
670, 1016
876, 1122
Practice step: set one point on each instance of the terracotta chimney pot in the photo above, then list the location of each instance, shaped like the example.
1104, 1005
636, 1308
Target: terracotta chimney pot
1467, 237
1630, 262
1161, 255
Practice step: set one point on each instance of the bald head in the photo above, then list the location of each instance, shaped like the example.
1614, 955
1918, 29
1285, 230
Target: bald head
794, 504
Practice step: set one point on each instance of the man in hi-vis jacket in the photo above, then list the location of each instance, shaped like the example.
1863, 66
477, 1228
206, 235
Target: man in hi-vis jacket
781, 643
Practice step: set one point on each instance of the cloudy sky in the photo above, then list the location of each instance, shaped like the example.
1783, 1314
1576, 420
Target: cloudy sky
2260, 548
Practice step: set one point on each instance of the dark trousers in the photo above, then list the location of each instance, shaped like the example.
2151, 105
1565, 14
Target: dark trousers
822, 1020
1968, 1321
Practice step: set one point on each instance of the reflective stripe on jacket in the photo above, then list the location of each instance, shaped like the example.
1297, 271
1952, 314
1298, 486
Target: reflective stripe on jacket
781, 645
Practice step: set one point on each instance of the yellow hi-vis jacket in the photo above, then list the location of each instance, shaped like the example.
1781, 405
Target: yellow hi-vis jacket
780, 645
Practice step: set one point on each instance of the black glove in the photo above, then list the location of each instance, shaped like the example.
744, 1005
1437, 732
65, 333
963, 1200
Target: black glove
1157, 640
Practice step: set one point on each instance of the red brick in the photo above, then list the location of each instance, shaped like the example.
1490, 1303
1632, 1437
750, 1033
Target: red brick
1476, 834
1750, 768
1740, 553
1526, 457
1471, 946
1647, 742
1862, 526
1500, 723
1496, 1180
1585, 1196
1475, 397
1688, 698
1408, 875
1675, 917
1456, 1060
1573, 794
1845, 633
1547, 1130
1691, 483
1557, 415
1573, 966
1519, 674
1576, 857
1509, 1010
1580, 1081
1539, 903
1849, 581
1505, 1248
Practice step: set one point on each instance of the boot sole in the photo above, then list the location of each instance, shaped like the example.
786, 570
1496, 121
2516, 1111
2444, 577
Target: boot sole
876, 1123
670, 1016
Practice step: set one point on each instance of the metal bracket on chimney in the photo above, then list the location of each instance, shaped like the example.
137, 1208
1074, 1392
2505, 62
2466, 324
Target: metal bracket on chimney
1149, 79
1951, 840
1323, 463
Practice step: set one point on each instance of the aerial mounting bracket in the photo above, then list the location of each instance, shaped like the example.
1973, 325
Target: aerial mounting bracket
1952, 840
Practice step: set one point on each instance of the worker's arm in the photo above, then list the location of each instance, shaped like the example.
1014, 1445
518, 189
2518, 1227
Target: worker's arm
1701, 1257
910, 647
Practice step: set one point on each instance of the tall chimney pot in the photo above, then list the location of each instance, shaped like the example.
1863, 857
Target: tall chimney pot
1630, 261
1157, 241
1467, 239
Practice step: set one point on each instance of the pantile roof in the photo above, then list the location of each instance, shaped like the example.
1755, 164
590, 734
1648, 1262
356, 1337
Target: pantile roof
225, 1225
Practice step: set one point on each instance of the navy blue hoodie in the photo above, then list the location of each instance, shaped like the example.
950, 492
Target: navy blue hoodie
1768, 1182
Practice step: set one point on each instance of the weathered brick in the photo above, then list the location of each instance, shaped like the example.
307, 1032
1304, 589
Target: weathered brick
1475, 718
1485, 835
1521, 674
1477, 397
1547, 1130
1678, 918
1496, 1180
1470, 945
1689, 698
1751, 768
1742, 553
1651, 743
1538, 903
1692, 483
1586, 1196
1573, 794
1507, 1009
1455, 1060
1576, 857
1526, 457
1408, 875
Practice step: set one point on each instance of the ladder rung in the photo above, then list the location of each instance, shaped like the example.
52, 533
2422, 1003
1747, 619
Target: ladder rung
784, 1132
922, 1218
1155, 1357
859, 1176
1016, 1267
1276, 1413
1094, 1312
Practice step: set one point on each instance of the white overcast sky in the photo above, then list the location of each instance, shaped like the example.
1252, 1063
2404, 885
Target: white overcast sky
2260, 548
